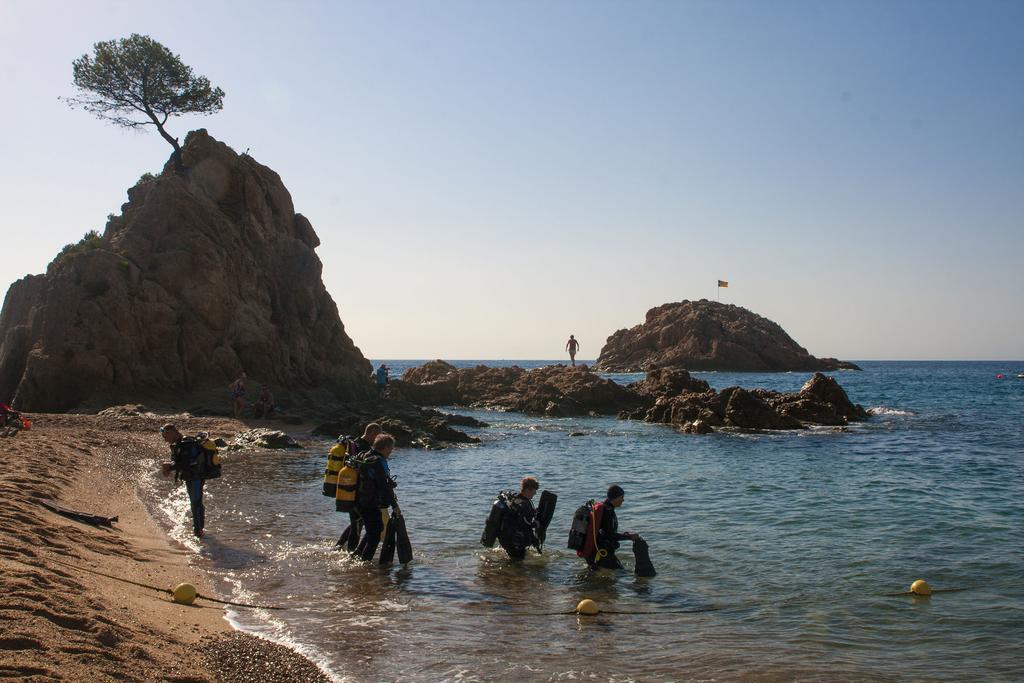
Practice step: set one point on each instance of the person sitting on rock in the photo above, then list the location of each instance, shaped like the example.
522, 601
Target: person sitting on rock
264, 404
572, 346
519, 525
237, 389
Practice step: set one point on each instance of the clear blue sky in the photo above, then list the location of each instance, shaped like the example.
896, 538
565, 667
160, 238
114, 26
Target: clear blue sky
489, 177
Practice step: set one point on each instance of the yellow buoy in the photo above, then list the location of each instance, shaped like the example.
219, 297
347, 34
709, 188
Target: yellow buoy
920, 587
185, 593
587, 607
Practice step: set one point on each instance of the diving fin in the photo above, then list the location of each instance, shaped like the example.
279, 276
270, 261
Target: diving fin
387, 551
87, 517
545, 511
643, 565
345, 535
404, 546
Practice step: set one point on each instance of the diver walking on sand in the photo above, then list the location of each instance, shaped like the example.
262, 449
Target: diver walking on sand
194, 459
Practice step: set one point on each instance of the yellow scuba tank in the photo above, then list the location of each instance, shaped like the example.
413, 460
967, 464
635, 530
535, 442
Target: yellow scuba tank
214, 451
335, 461
210, 458
345, 486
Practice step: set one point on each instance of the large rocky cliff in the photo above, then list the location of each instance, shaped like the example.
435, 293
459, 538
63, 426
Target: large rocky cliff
204, 275
707, 335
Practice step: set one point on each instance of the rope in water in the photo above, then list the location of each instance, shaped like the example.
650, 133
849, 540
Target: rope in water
697, 610
934, 590
573, 613
168, 591
713, 608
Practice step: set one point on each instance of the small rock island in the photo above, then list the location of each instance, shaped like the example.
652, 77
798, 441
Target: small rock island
707, 335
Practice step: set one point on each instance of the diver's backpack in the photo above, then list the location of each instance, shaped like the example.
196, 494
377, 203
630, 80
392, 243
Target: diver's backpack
204, 454
335, 461
364, 490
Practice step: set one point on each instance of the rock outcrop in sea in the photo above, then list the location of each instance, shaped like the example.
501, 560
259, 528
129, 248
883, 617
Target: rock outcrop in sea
665, 396
554, 390
707, 335
695, 408
204, 275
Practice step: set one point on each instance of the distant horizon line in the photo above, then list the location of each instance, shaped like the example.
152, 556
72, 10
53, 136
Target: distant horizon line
851, 360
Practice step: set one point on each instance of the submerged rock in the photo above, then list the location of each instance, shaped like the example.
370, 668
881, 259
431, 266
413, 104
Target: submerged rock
707, 335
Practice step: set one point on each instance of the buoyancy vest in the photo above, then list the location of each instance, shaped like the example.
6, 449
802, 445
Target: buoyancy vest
374, 485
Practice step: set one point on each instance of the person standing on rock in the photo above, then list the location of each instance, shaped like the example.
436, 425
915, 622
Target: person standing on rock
382, 380
237, 389
375, 494
572, 346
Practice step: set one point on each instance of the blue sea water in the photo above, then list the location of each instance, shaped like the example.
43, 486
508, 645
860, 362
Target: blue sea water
777, 553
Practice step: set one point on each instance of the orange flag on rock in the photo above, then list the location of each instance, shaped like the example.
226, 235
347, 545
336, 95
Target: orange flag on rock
723, 283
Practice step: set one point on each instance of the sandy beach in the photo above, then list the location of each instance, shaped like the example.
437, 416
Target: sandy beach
61, 622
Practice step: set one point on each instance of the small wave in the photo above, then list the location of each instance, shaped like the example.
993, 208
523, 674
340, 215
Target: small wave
882, 410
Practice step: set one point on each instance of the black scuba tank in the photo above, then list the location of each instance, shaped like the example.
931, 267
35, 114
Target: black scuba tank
580, 524
494, 519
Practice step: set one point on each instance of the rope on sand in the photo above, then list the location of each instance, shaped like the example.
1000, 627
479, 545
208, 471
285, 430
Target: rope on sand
167, 591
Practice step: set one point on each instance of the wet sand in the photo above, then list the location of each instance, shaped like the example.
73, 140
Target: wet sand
63, 623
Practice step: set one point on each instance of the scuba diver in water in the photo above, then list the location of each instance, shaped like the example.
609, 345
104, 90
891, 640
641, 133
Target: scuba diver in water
346, 450
602, 535
515, 523
375, 493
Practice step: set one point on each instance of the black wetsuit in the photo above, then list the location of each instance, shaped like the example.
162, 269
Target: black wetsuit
608, 538
376, 492
518, 527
